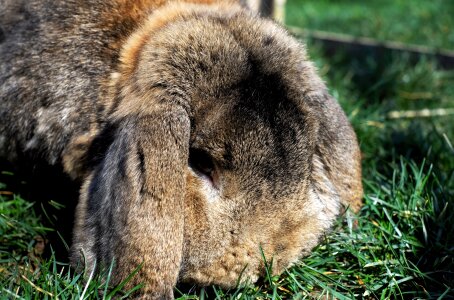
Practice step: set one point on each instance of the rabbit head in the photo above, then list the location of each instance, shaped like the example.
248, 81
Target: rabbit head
223, 153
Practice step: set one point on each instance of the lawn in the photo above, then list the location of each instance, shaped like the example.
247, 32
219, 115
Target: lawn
400, 246
420, 22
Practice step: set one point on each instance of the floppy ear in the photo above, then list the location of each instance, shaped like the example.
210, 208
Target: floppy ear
131, 206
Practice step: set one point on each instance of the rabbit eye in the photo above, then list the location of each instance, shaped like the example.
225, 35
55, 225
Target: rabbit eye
202, 163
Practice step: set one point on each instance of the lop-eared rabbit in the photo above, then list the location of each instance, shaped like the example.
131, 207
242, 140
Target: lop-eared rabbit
201, 134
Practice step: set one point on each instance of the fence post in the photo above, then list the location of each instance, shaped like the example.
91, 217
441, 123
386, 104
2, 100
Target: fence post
269, 8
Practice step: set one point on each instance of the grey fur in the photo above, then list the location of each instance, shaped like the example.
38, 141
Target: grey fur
201, 134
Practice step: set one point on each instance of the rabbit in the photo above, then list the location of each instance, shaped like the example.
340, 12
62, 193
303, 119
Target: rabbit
205, 143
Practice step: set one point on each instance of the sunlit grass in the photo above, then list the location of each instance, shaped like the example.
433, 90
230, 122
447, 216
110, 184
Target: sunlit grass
419, 22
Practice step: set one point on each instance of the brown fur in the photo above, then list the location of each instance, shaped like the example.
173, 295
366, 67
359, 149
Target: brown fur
201, 133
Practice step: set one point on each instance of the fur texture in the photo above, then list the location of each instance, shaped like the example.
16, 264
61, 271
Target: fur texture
201, 134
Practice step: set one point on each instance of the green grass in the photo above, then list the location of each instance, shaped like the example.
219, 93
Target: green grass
400, 246
25, 274
419, 22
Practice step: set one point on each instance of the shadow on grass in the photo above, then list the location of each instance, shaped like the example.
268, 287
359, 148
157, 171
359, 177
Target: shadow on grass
55, 197
436, 258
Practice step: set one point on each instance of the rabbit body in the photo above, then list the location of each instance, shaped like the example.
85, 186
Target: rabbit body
201, 134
